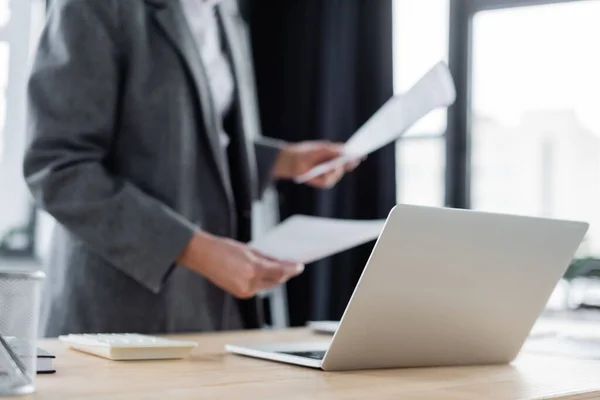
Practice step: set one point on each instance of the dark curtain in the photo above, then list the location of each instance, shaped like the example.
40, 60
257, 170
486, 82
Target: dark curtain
323, 67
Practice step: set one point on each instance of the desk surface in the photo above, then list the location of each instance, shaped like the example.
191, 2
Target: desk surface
210, 373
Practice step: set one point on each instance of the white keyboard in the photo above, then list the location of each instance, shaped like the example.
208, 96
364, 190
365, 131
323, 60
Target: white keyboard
129, 346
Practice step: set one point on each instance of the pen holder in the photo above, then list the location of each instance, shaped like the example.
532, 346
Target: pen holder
19, 311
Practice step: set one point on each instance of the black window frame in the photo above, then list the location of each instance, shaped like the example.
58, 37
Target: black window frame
458, 133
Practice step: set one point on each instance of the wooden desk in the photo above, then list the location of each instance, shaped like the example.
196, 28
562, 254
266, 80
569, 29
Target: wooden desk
210, 373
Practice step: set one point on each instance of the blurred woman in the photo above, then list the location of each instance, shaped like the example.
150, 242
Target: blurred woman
146, 149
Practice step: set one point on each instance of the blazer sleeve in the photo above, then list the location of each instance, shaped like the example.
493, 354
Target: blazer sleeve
72, 98
266, 150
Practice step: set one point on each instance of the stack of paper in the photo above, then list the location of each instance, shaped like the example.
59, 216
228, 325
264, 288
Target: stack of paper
306, 239
434, 90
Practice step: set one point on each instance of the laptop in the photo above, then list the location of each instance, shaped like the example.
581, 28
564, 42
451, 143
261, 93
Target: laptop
442, 287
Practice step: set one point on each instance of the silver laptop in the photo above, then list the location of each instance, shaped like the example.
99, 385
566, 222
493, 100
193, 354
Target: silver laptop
442, 287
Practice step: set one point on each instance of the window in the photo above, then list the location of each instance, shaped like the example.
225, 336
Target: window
5, 16
524, 134
535, 126
420, 40
4, 64
420, 174
17, 34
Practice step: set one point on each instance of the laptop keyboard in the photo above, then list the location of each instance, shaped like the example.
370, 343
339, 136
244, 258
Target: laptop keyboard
315, 355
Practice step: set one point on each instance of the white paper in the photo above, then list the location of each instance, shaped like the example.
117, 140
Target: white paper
327, 327
434, 90
306, 239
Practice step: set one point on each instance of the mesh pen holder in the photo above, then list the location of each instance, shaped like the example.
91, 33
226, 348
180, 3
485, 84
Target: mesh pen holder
19, 311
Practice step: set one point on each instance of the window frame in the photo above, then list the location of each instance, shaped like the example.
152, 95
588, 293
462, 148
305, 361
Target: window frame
458, 133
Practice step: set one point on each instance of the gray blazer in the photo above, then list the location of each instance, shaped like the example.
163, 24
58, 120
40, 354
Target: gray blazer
126, 157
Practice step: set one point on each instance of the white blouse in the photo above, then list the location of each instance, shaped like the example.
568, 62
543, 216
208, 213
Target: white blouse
202, 21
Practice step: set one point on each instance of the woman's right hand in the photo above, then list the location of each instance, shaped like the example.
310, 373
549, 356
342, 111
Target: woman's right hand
234, 266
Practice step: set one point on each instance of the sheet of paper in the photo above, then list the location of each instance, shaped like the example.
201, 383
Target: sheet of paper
434, 90
306, 239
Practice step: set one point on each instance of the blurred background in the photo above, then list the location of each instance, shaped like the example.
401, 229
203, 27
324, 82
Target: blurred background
523, 136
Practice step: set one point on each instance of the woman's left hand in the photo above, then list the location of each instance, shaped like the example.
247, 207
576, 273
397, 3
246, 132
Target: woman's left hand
297, 159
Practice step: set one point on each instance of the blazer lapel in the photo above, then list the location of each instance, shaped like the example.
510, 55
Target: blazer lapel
170, 18
241, 62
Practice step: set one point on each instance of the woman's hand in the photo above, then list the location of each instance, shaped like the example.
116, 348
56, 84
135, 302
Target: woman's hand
235, 267
297, 159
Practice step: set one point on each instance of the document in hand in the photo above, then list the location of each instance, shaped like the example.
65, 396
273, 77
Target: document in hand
434, 90
306, 239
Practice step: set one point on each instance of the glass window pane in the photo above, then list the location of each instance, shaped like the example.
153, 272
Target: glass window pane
4, 65
535, 134
421, 30
420, 171
15, 33
4, 12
